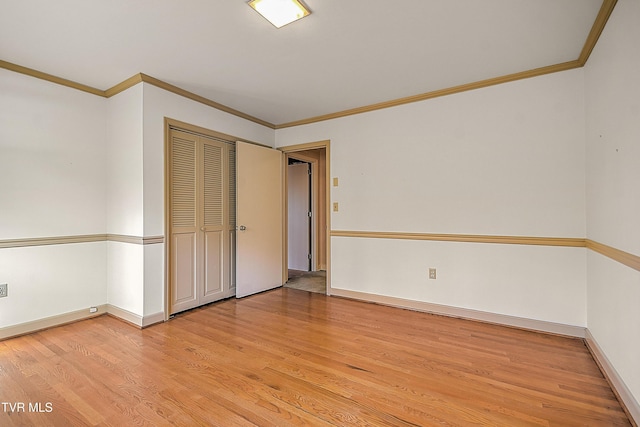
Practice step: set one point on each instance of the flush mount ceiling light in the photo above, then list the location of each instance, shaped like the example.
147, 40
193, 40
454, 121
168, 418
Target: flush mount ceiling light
280, 12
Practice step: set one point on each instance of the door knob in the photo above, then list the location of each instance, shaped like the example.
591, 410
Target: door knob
242, 228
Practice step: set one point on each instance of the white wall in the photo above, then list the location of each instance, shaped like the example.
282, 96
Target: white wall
612, 82
46, 281
125, 192
125, 198
53, 149
504, 160
52, 160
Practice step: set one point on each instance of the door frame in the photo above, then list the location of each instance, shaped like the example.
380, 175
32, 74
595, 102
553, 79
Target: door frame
291, 150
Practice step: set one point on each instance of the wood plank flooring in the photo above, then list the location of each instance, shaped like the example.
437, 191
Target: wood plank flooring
289, 357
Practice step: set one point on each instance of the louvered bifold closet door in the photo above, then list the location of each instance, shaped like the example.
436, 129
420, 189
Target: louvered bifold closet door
202, 220
183, 221
213, 227
232, 217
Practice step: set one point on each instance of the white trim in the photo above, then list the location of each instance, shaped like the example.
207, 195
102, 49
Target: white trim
135, 319
152, 319
75, 316
630, 404
465, 313
50, 322
127, 316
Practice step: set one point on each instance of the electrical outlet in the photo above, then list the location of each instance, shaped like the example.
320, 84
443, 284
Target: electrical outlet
432, 273
4, 290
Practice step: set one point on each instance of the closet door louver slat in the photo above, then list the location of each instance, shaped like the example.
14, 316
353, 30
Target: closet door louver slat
183, 185
213, 186
232, 188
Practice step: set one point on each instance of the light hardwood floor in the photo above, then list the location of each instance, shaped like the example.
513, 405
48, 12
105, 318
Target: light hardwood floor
289, 357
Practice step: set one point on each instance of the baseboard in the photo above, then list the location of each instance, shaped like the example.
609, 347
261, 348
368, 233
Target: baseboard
152, 319
50, 322
144, 321
127, 316
630, 404
465, 313
135, 319
75, 316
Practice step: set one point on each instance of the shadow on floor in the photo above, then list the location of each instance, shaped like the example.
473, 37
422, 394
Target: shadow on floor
311, 281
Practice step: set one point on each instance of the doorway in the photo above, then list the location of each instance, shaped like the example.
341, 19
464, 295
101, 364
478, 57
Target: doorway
299, 215
308, 232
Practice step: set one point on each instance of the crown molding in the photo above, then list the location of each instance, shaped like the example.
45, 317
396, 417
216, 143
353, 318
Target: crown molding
128, 83
437, 93
50, 78
596, 30
592, 39
201, 99
124, 85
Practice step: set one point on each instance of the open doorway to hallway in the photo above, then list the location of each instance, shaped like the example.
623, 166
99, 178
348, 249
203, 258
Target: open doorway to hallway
311, 281
307, 219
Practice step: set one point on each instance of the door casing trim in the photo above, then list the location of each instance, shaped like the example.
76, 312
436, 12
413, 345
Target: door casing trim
292, 149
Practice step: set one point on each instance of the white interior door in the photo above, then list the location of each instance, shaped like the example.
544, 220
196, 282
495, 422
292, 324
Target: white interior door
299, 220
259, 236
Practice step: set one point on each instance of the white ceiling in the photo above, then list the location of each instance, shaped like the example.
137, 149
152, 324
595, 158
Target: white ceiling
346, 54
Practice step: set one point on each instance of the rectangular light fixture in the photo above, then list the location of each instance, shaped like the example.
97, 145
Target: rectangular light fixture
280, 12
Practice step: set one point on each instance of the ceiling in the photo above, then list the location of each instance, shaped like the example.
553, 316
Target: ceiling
347, 54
